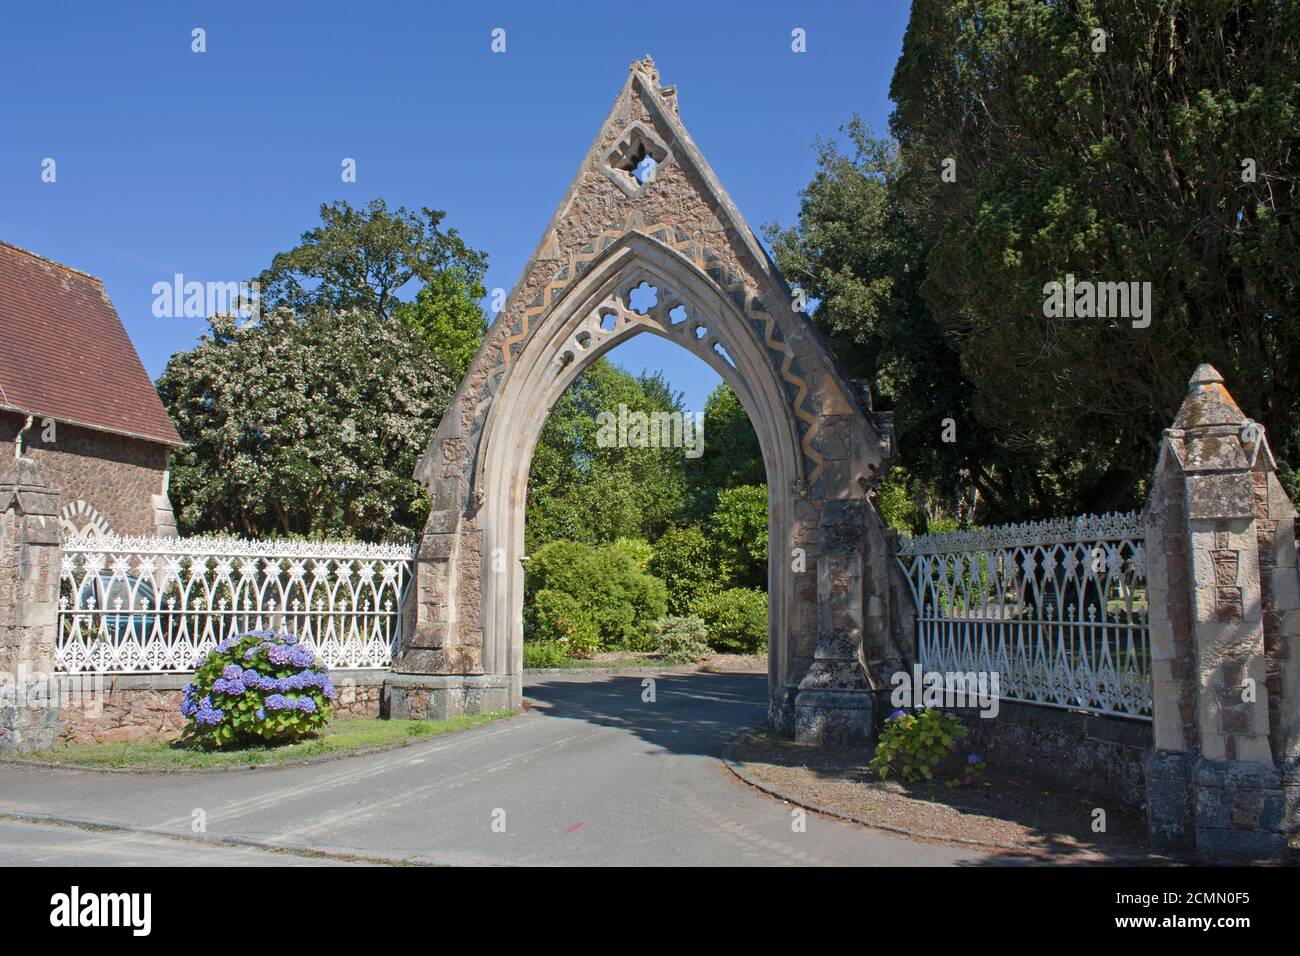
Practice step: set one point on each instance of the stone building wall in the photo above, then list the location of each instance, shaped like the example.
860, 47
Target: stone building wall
123, 479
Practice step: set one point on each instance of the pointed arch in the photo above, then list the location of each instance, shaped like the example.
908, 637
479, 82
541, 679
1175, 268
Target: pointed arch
553, 358
722, 298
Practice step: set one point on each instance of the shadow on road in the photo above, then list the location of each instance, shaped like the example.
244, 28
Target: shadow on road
690, 714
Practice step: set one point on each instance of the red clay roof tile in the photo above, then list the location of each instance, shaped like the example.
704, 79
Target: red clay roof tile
64, 354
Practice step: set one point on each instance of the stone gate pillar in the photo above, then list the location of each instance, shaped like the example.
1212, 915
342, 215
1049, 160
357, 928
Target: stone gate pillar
31, 549
1222, 587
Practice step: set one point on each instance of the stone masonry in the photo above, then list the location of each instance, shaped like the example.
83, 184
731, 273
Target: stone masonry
115, 482
31, 546
1222, 586
678, 232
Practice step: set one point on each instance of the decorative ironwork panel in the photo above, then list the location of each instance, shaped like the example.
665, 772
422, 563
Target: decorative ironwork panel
1056, 609
130, 605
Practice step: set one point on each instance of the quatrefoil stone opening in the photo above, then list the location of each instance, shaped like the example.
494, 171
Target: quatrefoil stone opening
635, 158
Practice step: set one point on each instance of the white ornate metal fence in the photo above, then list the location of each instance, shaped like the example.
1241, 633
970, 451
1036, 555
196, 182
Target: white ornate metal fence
1057, 609
160, 604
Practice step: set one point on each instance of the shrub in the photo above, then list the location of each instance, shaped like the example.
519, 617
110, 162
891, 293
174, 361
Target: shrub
739, 526
736, 619
544, 654
560, 619
690, 566
638, 549
920, 745
261, 687
601, 587
681, 640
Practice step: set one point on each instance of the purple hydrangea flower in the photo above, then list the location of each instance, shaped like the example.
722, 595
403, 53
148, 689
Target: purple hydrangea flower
232, 672
973, 759
261, 713
307, 705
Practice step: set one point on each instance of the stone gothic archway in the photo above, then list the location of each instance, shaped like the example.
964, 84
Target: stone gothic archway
831, 574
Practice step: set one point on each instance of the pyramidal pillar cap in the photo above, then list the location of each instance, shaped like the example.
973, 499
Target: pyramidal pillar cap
1205, 374
1208, 403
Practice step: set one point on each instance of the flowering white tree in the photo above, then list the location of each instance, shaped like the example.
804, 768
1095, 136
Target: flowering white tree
304, 426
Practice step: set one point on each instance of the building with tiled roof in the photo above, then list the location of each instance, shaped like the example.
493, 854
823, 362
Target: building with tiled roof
75, 398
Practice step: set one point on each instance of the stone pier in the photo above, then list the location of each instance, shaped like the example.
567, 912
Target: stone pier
1225, 614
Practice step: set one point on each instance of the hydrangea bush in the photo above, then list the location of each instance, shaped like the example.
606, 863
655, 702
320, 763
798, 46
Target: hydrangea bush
925, 744
263, 687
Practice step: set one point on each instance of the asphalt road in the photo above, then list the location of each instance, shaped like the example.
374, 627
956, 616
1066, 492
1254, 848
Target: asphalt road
591, 774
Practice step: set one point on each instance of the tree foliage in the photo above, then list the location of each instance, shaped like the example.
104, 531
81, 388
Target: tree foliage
1122, 164
361, 258
580, 491
687, 560
303, 426
739, 526
591, 598
731, 452
447, 313
855, 253
310, 421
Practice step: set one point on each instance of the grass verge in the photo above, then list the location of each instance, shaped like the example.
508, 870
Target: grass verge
339, 738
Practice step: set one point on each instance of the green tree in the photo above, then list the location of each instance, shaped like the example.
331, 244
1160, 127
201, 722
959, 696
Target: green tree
593, 594
854, 252
1125, 164
361, 258
736, 620
303, 426
732, 455
580, 491
447, 313
739, 527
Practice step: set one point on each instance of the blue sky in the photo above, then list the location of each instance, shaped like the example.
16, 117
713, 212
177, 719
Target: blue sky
207, 164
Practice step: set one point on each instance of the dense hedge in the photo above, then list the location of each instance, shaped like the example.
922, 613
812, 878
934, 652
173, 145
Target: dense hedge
591, 598
736, 619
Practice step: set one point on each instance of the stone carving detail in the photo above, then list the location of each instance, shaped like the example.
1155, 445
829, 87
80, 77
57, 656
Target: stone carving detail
719, 295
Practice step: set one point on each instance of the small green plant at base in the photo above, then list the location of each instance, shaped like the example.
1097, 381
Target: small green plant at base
544, 654
681, 640
921, 745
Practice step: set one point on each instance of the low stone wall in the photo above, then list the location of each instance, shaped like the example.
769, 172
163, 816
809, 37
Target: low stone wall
1102, 756
437, 696
119, 707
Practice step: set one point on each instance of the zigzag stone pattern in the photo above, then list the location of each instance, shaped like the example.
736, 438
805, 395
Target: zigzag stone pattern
823, 448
